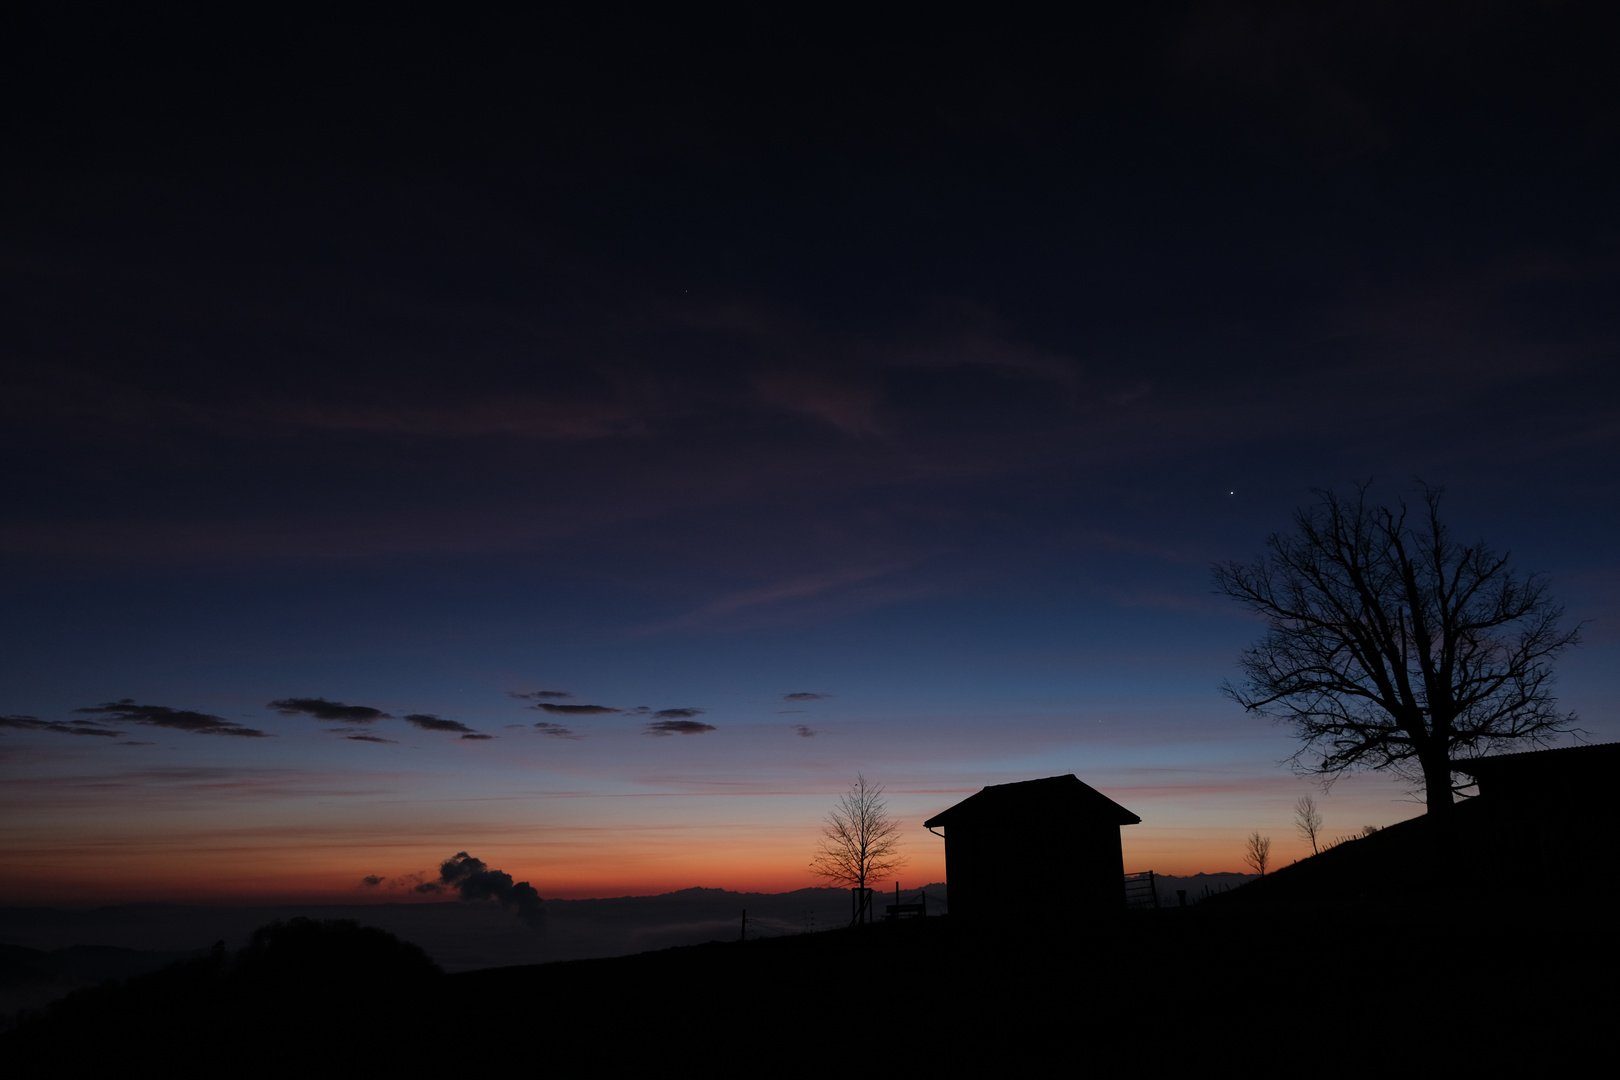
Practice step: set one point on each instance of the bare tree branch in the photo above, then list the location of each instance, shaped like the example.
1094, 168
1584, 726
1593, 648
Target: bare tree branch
1257, 852
1391, 646
1308, 821
860, 841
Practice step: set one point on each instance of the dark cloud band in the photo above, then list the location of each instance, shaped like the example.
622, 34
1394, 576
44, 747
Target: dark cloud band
70, 727
429, 722
679, 727
162, 716
321, 709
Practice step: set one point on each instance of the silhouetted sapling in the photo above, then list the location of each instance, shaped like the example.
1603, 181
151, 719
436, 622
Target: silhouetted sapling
1257, 852
1308, 821
860, 843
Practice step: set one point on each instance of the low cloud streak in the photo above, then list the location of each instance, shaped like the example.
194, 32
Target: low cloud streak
321, 709
178, 719
69, 727
679, 727
575, 710
429, 722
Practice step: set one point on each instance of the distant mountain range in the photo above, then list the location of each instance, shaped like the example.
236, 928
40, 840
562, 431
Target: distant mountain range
1197, 886
48, 952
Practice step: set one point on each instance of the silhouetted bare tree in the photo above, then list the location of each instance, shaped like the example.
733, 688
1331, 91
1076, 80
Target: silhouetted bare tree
1257, 852
1308, 820
1391, 646
860, 842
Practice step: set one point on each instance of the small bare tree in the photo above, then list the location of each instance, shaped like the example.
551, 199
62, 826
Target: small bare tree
1257, 852
1308, 821
860, 842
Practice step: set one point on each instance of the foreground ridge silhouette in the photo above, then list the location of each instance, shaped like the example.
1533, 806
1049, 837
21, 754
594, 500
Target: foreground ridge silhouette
1016, 994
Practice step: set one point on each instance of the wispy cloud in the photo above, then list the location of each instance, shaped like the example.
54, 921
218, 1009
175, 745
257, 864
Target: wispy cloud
828, 593
575, 710
801, 587
429, 722
845, 400
203, 786
162, 716
321, 709
805, 696
69, 727
679, 727
541, 417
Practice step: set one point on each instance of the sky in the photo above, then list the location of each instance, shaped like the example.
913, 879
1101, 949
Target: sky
643, 425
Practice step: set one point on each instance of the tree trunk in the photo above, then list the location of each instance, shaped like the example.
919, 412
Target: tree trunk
1437, 795
1441, 807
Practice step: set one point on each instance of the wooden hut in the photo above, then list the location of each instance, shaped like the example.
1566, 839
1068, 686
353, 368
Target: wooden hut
1038, 848
1546, 816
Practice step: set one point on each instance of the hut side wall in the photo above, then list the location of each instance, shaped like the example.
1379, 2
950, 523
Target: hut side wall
1068, 871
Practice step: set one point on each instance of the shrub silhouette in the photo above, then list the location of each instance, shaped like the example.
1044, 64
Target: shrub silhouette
328, 957
297, 988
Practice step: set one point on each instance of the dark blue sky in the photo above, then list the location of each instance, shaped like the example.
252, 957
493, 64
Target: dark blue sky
688, 363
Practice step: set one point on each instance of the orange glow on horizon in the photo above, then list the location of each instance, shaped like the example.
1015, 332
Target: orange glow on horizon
224, 846
286, 874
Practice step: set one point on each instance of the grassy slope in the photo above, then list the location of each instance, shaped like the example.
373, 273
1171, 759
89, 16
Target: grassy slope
1335, 990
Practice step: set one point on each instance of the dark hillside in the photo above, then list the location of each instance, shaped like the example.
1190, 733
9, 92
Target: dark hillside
1343, 991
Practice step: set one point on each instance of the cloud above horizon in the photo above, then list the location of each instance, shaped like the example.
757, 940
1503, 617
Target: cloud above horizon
805, 696
575, 710
429, 722
474, 880
69, 727
177, 719
321, 709
678, 727
537, 695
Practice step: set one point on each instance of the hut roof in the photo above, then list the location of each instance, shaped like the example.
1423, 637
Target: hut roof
1061, 797
1547, 782
1560, 762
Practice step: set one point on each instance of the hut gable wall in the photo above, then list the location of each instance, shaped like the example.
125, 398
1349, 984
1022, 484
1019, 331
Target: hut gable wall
1049, 844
